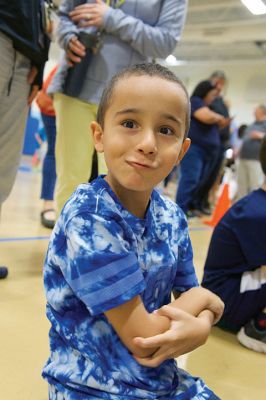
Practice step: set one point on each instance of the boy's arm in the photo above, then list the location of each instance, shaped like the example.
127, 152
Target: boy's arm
192, 314
198, 299
186, 333
131, 320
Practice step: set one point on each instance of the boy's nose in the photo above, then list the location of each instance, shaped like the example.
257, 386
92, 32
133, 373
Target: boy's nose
147, 143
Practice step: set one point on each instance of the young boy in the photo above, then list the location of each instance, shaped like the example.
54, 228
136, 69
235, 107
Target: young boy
117, 252
235, 267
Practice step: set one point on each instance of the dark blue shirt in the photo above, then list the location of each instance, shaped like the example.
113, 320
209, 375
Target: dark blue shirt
203, 135
238, 245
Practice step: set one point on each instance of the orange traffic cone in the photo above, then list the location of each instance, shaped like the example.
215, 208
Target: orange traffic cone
223, 204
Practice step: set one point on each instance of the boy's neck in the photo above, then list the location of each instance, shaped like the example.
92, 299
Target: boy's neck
136, 203
264, 186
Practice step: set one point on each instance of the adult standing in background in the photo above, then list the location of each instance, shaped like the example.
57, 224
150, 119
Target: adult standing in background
24, 51
249, 172
130, 32
195, 167
218, 79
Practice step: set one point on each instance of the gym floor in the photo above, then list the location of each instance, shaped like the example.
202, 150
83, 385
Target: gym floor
232, 371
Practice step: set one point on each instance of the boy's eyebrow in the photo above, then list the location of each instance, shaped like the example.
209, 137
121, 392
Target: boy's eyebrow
172, 118
128, 110
137, 110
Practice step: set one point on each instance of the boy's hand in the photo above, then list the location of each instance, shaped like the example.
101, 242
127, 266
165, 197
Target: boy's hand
216, 306
186, 333
197, 299
89, 14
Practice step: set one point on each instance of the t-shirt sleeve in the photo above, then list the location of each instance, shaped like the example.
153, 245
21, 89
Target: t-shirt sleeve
100, 266
196, 104
185, 276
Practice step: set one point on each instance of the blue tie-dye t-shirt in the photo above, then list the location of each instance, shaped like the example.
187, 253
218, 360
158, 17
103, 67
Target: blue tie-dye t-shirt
99, 257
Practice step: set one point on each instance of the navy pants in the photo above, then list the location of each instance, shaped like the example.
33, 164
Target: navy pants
48, 169
194, 168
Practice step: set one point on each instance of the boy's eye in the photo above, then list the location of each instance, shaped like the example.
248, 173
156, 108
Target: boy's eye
129, 124
165, 130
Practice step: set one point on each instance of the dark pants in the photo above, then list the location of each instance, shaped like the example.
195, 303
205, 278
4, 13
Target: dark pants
210, 179
194, 167
48, 169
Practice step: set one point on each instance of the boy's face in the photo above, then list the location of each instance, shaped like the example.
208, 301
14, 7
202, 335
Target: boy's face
143, 135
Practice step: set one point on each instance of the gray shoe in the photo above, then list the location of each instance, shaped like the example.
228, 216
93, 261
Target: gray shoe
252, 338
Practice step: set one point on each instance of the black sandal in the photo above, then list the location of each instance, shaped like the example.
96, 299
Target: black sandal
47, 223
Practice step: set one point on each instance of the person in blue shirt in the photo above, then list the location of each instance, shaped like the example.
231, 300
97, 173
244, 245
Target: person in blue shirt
196, 167
235, 267
118, 251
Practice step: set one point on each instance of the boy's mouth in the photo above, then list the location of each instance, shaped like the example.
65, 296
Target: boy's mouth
140, 165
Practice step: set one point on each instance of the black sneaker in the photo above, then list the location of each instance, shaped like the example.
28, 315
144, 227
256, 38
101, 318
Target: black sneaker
3, 272
252, 337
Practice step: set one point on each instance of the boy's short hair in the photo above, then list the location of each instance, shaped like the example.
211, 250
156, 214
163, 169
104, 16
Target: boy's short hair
263, 155
144, 69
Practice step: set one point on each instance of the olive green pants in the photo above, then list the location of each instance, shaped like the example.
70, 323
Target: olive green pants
74, 146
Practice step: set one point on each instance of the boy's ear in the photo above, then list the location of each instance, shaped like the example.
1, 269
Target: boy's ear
184, 149
97, 134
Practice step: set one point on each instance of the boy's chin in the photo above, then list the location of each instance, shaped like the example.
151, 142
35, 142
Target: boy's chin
137, 185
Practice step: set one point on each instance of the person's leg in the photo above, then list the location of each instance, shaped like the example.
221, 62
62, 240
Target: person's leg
14, 91
48, 169
48, 173
255, 175
211, 162
215, 166
245, 307
191, 169
244, 298
253, 331
74, 145
242, 179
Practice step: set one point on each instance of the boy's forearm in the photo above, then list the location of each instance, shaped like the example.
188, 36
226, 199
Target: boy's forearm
155, 325
131, 320
193, 301
198, 299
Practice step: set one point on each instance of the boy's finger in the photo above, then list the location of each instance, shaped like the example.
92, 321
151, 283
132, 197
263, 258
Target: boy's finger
171, 312
156, 360
154, 341
164, 351
149, 362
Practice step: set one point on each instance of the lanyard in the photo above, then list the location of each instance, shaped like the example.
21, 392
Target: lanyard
116, 3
